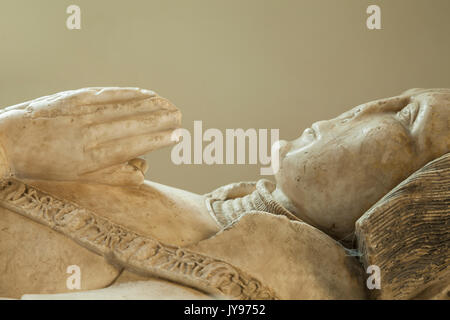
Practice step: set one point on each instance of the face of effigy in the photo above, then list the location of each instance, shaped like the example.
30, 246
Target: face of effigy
338, 168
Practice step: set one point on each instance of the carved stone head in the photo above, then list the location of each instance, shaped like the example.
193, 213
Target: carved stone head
340, 167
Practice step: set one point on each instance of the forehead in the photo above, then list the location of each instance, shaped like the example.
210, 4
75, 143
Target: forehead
437, 100
433, 131
392, 104
435, 110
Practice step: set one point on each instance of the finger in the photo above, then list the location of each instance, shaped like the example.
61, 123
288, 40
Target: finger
126, 109
125, 174
123, 150
72, 98
159, 120
417, 91
101, 102
140, 164
24, 105
20, 106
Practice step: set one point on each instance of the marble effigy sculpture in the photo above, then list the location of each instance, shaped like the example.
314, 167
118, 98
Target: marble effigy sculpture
370, 187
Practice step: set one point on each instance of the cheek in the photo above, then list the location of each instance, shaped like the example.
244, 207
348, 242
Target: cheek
290, 174
353, 160
330, 169
389, 153
287, 174
311, 172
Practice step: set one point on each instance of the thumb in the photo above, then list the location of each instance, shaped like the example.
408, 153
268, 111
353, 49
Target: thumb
131, 173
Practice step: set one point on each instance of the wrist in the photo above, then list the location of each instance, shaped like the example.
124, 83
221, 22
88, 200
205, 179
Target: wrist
5, 168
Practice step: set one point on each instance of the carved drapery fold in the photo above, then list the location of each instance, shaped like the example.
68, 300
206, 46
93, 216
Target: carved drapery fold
123, 247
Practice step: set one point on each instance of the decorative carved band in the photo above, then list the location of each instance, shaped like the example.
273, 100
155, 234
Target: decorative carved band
128, 249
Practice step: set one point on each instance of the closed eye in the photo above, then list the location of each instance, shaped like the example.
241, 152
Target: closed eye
408, 114
350, 115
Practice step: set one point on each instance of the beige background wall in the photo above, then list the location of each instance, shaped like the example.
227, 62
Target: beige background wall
240, 63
